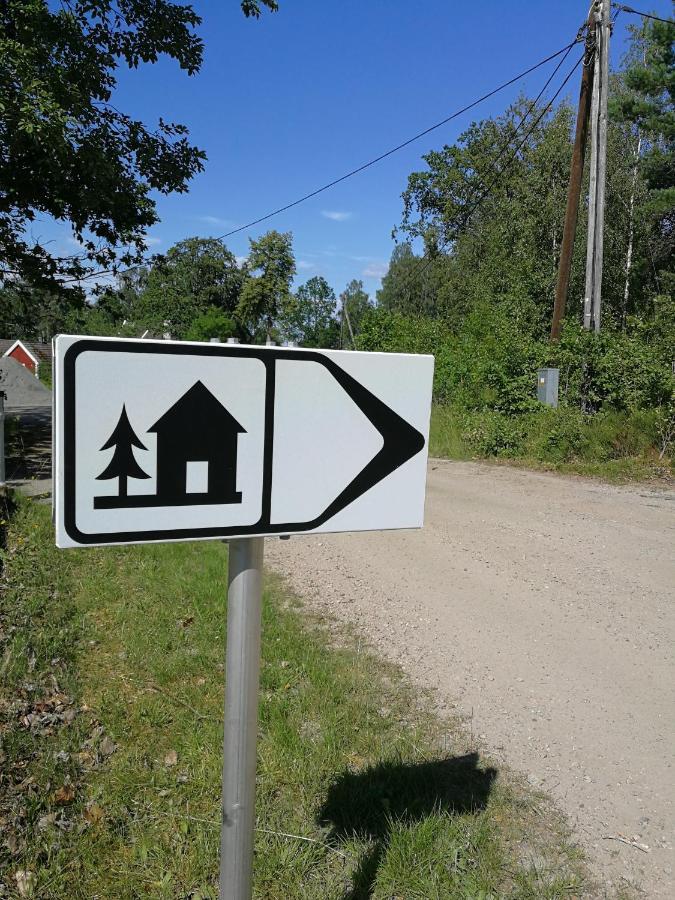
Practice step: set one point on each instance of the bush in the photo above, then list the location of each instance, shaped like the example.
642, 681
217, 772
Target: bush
557, 435
391, 332
490, 433
615, 371
485, 387
213, 323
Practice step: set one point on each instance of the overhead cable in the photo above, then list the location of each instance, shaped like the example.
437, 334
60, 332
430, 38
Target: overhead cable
636, 12
403, 144
564, 50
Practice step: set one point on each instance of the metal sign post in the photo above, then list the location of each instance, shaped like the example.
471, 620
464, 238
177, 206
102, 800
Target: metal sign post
2, 439
242, 675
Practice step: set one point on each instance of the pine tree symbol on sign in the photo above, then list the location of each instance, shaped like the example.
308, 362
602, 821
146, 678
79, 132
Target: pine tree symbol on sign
123, 465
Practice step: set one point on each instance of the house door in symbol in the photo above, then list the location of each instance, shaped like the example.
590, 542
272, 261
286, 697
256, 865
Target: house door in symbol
196, 476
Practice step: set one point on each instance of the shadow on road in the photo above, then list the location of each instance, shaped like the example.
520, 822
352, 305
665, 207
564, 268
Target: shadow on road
363, 804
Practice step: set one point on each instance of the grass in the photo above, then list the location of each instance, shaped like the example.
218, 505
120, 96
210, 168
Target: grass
446, 436
111, 684
616, 447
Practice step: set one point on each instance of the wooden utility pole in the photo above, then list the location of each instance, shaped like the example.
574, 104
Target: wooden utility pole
574, 186
598, 168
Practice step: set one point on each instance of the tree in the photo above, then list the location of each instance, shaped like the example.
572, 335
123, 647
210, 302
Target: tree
118, 303
123, 464
354, 304
266, 297
413, 284
495, 208
195, 275
213, 323
493, 212
310, 318
644, 101
66, 151
34, 313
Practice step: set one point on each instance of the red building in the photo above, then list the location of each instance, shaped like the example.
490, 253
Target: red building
31, 354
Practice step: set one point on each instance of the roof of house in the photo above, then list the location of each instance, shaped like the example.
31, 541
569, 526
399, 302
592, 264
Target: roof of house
197, 405
40, 350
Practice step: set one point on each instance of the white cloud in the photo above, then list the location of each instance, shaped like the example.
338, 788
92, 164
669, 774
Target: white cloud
375, 270
153, 241
303, 264
214, 220
241, 260
336, 215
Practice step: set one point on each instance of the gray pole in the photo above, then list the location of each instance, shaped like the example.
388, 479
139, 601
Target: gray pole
603, 33
242, 675
598, 167
2, 439
593, 176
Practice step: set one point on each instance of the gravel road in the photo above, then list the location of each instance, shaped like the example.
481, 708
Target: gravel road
26, 396
541, 608
29, 460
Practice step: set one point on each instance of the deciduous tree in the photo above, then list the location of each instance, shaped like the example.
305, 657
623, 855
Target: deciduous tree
266, 296
354, 304
66, 151
645, 101
193, 276
310, 319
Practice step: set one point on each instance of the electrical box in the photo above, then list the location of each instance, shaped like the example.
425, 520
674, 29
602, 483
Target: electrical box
547, 386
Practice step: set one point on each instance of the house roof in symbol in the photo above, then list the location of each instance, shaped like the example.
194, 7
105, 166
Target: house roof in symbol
197, 409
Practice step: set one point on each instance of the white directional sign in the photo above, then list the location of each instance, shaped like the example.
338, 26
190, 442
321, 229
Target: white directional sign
164, 441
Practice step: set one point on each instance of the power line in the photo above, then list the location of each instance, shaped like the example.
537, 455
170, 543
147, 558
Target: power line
529, 132
636, 12
467, 215
424, 264
564, 50
400, 146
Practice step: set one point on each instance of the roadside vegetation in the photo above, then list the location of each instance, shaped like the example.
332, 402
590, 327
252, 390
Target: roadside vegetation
480, 297
471, 280
616, 417
111, 739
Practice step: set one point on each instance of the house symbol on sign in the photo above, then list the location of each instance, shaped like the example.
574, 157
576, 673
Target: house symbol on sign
196, 429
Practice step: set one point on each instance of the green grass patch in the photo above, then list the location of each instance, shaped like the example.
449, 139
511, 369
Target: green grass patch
111, 674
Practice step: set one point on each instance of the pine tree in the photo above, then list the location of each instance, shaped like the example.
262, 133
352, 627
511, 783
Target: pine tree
123, 465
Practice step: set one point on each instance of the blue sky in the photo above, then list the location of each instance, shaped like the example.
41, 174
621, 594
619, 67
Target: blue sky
295, 99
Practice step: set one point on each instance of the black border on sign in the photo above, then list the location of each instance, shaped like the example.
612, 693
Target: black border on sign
401, 441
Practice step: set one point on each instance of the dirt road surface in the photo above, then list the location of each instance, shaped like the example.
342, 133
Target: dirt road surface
28, 463
542, 609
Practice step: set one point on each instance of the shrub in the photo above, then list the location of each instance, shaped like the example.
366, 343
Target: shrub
391, 332
213, 323
490, 433
556, 435
485, 377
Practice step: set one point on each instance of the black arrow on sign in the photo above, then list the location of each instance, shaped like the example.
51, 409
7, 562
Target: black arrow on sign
400, 441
